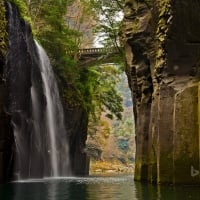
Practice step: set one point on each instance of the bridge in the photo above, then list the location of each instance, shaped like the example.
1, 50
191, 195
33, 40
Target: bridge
98, 51
89, 56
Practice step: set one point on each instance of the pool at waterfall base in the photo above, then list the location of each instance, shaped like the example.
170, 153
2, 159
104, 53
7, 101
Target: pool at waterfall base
120, 187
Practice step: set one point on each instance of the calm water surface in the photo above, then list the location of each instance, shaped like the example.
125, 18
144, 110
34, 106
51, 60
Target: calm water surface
94, 188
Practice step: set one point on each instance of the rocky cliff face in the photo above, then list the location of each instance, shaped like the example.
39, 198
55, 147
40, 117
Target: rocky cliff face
76, 124
162, 44
6, 138
19, 69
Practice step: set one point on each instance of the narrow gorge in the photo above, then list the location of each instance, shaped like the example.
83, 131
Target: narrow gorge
161, 39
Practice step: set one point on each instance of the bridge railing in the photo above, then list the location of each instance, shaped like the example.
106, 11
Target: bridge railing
97, 50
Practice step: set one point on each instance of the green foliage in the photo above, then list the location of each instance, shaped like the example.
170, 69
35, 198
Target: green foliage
104, 102
57, 38
164, 21
117, 143
101, 92
3, 33
97, 86
23, 9
125, 126
110, 16
91, 87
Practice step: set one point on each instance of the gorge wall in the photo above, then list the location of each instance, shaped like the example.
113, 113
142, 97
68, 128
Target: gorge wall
18, 71
162, 45
6, 138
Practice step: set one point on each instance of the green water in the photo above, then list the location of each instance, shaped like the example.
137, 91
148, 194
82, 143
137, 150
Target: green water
94, 188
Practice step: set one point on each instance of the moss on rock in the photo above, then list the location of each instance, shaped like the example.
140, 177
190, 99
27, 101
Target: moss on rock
3, 32
186, 135
163, 24
166, 43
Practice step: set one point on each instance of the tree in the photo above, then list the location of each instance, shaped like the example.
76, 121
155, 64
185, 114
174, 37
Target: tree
110, 16
98, 87
92, 87
81, 17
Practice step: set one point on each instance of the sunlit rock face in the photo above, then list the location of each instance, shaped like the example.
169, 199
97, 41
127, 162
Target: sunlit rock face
162, 45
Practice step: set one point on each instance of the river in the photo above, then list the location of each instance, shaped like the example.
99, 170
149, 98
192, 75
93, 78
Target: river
94, 188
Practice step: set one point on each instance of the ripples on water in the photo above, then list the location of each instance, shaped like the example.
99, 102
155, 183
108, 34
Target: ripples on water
94, 188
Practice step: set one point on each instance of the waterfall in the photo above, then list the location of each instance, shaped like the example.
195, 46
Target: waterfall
53, 117
52, 98
40, 138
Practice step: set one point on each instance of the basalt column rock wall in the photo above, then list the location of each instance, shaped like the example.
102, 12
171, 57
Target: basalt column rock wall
162, 44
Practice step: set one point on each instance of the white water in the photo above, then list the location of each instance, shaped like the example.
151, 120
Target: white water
55, 130
47, 77
41, 145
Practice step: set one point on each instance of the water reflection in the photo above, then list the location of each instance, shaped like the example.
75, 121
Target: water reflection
96, 188
161, 192
114, 188
52, 191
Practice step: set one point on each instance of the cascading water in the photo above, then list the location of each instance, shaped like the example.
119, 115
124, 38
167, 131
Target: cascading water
53, 117
41, 145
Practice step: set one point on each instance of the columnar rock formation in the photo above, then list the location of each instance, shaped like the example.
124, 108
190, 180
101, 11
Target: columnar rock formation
162, 44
